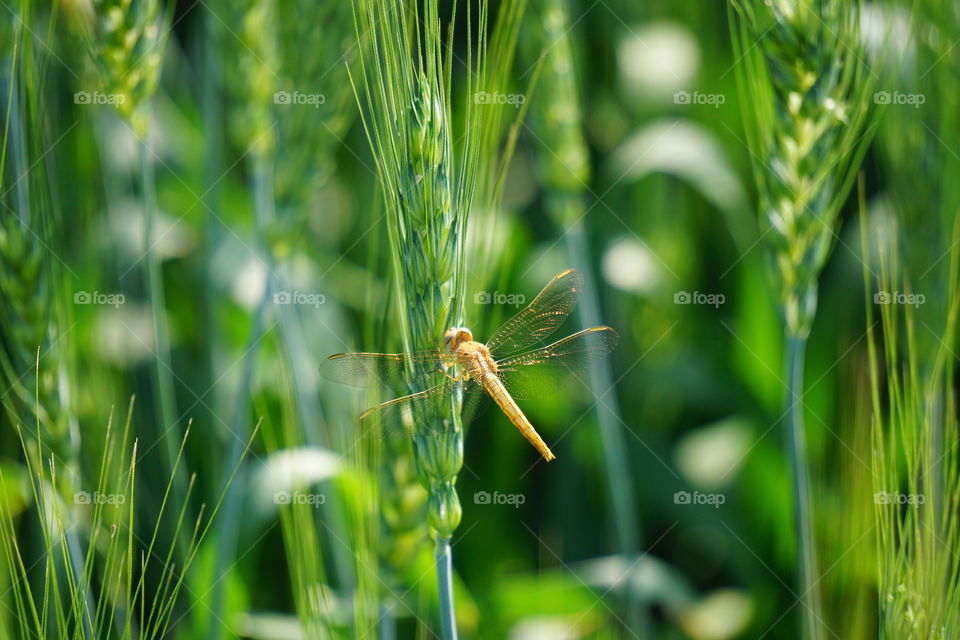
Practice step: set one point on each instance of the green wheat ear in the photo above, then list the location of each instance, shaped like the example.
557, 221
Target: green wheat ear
407, 119
564, 166
31, 318
248, 35
308, 135
26, 321
429, 183
126, 39
807, 88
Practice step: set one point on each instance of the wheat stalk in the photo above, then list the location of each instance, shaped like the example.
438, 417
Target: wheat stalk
249, 36
564, 168
30, 277
124, 606
807, 87
915, 427
289, 106
126, 40
405, 76
916, 461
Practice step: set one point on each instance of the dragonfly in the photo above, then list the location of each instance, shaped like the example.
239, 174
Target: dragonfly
509, 366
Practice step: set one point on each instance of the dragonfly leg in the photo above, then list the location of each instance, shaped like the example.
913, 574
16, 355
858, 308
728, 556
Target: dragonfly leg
463, 377
457, 378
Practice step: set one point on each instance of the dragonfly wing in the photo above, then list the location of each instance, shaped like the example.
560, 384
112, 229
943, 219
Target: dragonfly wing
370, 369
541, 317
557, 366
415, 413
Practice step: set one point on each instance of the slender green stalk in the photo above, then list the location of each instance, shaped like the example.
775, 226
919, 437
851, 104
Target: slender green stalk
564, 167
126, 40
803, 504
163, 385
229, 523
444, 561
615, 452
212, 117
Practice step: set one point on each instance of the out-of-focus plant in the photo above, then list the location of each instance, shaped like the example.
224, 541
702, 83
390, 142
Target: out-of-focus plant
808, 89
126, 41
106, 590
915, 231
563, 161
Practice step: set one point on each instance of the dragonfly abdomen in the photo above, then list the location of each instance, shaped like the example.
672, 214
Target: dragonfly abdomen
494, 386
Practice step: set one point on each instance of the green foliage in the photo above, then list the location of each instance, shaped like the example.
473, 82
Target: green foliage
122, 584
324, 176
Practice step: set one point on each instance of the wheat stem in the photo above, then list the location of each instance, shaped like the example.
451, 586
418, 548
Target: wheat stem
444, 561
564, 167
163, 386
803, 505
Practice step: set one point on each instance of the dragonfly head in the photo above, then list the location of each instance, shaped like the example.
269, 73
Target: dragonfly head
455, 336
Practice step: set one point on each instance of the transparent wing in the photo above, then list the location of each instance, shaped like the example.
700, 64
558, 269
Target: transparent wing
369, 369
558, 366
404, 416
540, 318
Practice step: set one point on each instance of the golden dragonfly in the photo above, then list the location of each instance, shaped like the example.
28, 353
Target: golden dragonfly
508, 367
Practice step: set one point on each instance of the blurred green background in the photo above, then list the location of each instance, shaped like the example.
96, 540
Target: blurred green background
704, 547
